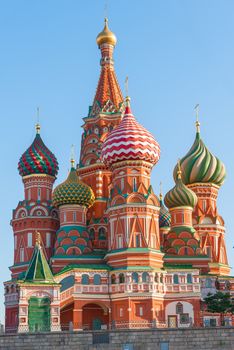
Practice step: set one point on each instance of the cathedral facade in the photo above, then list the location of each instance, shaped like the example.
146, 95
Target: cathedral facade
101, 249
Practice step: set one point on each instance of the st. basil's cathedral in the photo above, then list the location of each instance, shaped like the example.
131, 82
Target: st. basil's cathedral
101, 250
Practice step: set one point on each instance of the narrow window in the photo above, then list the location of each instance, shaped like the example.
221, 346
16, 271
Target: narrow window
120, 241
135, 277
85, 279
138, 241
140, 311
121, 278
15, 241
64, 217
121, 312
48, 194
48, 241
176, 279
29, 194
179, 308
97, 279
122, 184
189, 278
21, 254
39, 193
74, 216
204, 205
30, 239
134, 184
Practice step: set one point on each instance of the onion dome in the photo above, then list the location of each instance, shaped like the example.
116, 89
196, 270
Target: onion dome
38, 159
130, 141
164, 215
73, 191
180, 195
200, 165
106, 36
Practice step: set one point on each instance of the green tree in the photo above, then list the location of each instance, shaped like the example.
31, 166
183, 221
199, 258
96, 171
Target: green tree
219, 302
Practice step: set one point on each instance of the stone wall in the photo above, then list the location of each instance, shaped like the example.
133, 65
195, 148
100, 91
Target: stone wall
163, 339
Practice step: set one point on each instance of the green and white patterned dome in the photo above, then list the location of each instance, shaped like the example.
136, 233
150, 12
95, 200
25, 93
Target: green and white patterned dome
199, 165
180, 195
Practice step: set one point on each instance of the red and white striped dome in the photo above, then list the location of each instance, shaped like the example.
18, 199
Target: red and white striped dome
130, 141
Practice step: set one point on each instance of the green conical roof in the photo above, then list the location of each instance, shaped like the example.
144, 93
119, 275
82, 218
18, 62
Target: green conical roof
39, 270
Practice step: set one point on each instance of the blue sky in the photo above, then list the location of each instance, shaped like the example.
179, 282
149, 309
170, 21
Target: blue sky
177, 53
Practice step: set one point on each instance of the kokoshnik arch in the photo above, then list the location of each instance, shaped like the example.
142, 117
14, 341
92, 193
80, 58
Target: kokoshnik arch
109, 252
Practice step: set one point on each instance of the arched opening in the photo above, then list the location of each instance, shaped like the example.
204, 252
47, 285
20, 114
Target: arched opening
135, 277
95, 316
121, 278
85, 279
145, 277
96, 279
176, 279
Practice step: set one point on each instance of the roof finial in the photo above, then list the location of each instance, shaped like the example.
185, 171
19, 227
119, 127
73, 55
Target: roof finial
160, 193
179, 172
38, 238
127, 98
38, 127
72, 156
197, 117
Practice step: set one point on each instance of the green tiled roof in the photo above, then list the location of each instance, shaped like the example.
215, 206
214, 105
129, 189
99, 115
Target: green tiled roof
39, 270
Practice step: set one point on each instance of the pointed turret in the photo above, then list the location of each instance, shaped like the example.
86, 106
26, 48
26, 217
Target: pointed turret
39, 270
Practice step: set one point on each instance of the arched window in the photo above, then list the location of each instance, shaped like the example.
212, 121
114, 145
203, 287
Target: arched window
135, 277
92, 234
161, 278
85, 279
176, 279
179, 308
121, 278
138, 240
189, 278
113, 279
102, 233
156, 278
145, 277
97, 279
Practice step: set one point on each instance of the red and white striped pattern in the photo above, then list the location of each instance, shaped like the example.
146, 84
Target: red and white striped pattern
130, 141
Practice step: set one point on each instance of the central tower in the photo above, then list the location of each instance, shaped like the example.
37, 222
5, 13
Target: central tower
104, 115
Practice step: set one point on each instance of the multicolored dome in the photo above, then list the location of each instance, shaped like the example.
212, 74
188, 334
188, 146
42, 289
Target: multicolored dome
200, 165
180, 195
106, 36
73, 191
38, 159
130, 141
164, 215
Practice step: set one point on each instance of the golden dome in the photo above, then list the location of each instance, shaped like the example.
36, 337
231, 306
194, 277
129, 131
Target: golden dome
106, 36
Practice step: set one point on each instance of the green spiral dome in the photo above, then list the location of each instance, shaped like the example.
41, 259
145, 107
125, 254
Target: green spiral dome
200, 165
73, 191
180, 195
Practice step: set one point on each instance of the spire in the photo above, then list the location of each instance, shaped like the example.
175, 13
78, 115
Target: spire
108, 97
38, 270
160, 192
179, 172
73, 157
197, 118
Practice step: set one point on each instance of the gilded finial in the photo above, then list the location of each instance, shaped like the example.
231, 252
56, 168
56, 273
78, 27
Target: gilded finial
72, 156
160, 193
38, 127
106, 36
197, 117
179, 172
38, 238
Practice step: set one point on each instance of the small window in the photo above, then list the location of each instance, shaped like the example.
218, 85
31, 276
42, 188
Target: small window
92, 234
97, 279
122, 184
21, 254
182, 218
184, 318
30, 239
74, 216
120, 312
120, 241
121, 278
48, 239
209, 252
161, 278
64, 217
48, 194
134, 184
156, 278
135, 277
204, 205
85, 279
179, 308
113, 279
102, 233
189, 278
138, 241
39, 193
29, 194
208, 283
176, 279
145, 277
141, 311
